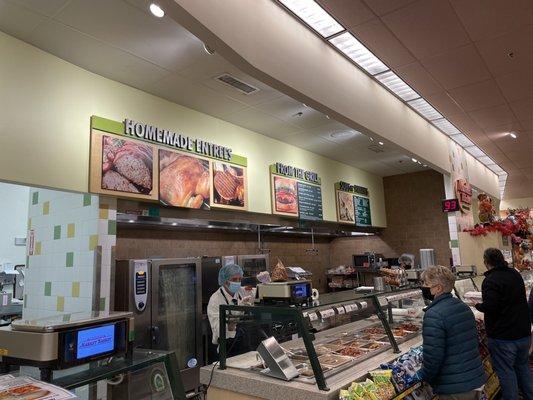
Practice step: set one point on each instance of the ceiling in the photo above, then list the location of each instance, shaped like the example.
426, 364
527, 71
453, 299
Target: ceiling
121, 40
472, 60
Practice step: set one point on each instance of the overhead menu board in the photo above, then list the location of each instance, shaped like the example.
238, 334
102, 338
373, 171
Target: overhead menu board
353, 204
296, 192
136, 160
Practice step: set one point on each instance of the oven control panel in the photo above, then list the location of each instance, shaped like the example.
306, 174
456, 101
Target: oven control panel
140, 283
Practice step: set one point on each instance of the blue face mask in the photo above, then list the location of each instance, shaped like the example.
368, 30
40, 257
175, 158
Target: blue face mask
234, 287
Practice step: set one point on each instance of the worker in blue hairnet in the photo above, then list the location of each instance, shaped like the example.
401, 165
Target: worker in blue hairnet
230, 292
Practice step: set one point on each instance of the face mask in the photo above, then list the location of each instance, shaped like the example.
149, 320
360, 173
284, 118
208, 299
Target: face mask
426, 293
234, 287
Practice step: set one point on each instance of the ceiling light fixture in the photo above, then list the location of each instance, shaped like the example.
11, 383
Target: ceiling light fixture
397, 86
425, 165
414, 160
343, 134
446, 126
305, 105
209, 50
314, 16
381, 143
156, 10
425, 109
355, 50
371, 139
513, 135
327, 116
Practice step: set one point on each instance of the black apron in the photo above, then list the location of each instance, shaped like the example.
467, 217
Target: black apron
239, 344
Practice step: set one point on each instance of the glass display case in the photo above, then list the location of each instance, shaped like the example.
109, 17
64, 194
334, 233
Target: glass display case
464, 286
328, 336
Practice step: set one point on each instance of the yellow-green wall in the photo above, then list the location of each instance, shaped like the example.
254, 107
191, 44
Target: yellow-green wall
45, 109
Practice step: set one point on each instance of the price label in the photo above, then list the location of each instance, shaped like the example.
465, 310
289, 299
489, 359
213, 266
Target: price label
327, 313
341, 310
312, 316
364, 305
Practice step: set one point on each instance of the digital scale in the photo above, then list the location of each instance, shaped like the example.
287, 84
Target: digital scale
292, 292
64, 341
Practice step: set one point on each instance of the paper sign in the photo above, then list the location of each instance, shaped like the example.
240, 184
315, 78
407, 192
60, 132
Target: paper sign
327, 313
313, 316
341, 310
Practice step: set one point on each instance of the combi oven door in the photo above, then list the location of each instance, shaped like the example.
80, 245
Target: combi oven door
176, 299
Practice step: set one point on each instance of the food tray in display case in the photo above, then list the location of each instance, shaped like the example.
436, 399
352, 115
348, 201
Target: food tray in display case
330, 334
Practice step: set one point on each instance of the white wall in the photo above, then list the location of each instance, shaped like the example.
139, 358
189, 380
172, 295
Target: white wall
13, 222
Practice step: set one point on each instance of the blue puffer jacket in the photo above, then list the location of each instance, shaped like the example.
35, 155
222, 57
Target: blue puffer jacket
451, 356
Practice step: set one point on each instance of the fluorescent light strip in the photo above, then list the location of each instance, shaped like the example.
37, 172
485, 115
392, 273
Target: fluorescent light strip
322, 22
355, 50
462, 140
475, 151
397, 85
496, 169
425, 109
314, 16
446, 126
486, 160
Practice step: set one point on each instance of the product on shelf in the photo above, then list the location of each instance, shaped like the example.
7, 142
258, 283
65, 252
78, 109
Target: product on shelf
410, 327
352, 351
374, 331
379, 387
405, 368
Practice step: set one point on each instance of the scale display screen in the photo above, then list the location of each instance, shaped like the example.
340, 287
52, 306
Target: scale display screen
301, 290
94, 341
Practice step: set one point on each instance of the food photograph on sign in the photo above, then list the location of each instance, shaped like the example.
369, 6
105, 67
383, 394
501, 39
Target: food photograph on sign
127, 165
184, 180
228, 185
285, 195
345, 206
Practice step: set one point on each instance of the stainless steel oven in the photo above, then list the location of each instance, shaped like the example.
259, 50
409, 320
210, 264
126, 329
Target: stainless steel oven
165, 296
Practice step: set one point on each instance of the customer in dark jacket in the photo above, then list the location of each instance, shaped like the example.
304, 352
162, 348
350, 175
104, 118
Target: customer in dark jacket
451, 361
507, 324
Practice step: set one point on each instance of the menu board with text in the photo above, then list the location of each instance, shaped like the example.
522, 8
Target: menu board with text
296, 192
353, 204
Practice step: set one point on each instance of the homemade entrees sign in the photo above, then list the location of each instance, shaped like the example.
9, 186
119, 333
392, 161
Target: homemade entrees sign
353, 204
295, 192
137, 160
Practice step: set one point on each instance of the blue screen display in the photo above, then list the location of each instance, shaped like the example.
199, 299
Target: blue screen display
96, 341
301, 291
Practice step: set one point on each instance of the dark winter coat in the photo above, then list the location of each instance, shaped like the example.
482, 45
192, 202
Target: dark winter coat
505, 304
451, 356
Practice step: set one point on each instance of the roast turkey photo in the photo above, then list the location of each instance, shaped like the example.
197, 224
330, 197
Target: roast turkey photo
127, 165
184, 180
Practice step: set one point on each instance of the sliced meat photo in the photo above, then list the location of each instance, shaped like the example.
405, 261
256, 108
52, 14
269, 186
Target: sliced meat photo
114, 181
131, 160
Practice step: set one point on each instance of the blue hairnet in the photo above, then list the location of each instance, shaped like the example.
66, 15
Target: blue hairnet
227, 271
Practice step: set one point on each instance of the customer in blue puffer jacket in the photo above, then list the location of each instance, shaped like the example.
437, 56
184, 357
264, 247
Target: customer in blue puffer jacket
451, 363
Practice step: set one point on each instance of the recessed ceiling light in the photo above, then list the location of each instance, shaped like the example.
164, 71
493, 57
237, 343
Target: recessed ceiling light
327, 116
425, 109
371, 139
354, 49
513, 135
414, 160
397, 85
156, 10
425, 165
343, 134
314, 16
381, 143
305, 105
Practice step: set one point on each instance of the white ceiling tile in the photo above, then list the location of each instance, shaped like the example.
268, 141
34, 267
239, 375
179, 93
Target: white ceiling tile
44, 7
18, 21
259, 122
294, 112
95, 56
158, 40
195, 96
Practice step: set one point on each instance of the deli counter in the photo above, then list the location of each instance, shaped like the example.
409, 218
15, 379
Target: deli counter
330, 343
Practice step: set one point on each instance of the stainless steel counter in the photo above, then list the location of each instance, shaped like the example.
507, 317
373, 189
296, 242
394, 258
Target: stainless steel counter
252, 384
